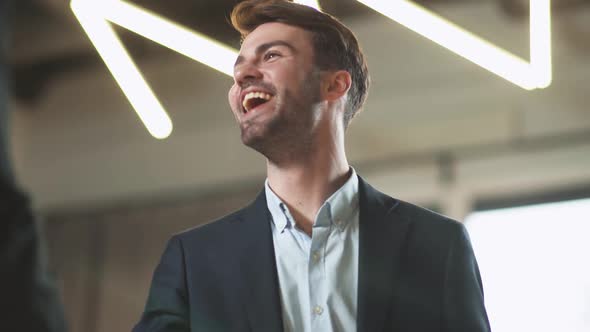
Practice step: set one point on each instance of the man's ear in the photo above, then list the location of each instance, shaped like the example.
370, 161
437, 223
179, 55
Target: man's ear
336, 84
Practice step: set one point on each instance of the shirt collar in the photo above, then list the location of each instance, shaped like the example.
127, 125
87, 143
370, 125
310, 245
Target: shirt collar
277, 208
340, 205
344, 202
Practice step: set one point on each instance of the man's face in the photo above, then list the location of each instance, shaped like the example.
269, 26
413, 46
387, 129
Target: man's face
275, 87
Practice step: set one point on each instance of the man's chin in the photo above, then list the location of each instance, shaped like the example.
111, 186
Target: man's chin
261, 144
252, 140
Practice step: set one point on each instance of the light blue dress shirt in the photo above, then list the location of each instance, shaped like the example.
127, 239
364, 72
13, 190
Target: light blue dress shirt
318, 275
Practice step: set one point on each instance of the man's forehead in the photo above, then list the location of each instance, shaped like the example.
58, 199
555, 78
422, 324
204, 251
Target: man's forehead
275, 31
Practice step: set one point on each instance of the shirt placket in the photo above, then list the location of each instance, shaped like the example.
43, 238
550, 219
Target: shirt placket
317, 274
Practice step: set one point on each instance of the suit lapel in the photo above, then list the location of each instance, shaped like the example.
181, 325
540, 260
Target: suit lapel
257, 277
382, 234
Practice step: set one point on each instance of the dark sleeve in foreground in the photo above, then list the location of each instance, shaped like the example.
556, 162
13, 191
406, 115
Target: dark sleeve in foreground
464, 308
167, 305
28, 300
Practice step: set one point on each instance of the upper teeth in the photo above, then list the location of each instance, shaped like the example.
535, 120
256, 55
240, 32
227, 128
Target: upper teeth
251, 95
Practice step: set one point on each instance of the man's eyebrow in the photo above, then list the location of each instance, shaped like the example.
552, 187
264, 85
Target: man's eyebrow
263, 47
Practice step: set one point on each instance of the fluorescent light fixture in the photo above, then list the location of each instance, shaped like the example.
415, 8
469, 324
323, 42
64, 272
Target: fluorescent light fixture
540, 35
93, 16
174, 36
122, 67
536, 74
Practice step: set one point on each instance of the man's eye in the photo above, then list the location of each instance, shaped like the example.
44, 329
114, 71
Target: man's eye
271, 55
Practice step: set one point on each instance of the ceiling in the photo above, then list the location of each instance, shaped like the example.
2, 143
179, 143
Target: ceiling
74, 129
48, 41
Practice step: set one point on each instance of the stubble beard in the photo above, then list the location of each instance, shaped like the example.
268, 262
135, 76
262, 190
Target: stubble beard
287, 135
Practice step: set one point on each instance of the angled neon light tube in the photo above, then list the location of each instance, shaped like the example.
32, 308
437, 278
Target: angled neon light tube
172, 35
93, 16
123, 69
540, 34
536, 74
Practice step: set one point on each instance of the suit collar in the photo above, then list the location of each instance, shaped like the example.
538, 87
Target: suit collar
257, 276
381, 238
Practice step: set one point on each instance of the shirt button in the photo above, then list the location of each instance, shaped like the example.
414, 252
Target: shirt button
318, 310
315, 256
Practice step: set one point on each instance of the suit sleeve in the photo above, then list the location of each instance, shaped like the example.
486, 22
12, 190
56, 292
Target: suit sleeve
29, 300
166, 309
464, 308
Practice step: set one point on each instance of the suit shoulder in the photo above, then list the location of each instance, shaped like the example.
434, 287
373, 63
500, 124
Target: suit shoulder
211, 230
424, 218
430, 234
418, 216
426, 215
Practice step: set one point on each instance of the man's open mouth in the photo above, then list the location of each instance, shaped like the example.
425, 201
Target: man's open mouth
254, 99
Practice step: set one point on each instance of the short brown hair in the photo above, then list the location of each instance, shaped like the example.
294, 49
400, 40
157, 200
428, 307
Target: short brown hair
335, 46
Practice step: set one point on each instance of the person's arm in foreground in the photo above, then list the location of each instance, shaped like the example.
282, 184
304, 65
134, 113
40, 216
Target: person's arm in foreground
28, 298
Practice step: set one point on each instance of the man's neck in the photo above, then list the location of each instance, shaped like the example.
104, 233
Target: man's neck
305, 185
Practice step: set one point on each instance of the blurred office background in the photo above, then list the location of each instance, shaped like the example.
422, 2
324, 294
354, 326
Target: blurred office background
437, 130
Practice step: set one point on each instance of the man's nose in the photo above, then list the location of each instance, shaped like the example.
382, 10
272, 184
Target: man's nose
247, 73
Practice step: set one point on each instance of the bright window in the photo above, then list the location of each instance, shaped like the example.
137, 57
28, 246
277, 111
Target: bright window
535, 266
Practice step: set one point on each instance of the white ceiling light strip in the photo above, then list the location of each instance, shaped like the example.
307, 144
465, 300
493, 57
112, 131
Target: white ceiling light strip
172, 35
93, 16
536, 74
122, 67
540, 34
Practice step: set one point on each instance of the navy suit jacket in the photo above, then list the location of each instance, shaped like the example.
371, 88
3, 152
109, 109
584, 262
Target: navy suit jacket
417, 272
